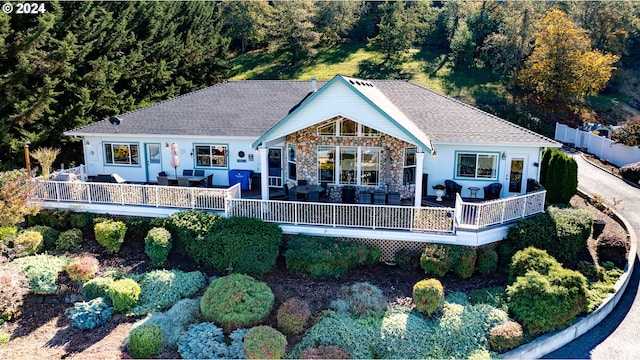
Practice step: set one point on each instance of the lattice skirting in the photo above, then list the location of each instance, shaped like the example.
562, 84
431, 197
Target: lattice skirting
389, 247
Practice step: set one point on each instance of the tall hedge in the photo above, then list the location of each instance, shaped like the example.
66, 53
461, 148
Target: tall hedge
559, 175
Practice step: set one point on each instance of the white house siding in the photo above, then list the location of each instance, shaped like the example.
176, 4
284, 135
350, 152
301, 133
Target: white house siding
443, 166
339, 99
95, 157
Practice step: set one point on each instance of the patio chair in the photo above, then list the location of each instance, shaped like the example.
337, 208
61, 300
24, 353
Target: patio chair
393, 198
379, 198
162, 173
313, 196
292, 194
324, 194
183, 181
198, 172
302, 182
163, 180
364, 197
452, 188
208, 182
187, 172
492, 191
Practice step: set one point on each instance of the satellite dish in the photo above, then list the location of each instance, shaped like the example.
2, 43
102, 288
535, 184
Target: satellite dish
115, 121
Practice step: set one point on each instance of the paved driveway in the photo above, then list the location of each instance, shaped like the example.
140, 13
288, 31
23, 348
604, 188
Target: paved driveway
618, 336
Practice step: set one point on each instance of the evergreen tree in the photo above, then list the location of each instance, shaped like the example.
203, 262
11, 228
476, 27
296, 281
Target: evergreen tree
293, 32
334, 19
396, 33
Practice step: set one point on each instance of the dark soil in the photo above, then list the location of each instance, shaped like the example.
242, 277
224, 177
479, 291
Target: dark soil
44, 331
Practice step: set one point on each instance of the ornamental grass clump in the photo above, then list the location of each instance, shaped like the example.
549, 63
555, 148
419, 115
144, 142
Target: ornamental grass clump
70, 240
293, 315
506, 336
264, 342
236, 301
157, 245
428, 295
124, 294
437, 259
82, 268
110, 234
145, 341
161, 289
91, 314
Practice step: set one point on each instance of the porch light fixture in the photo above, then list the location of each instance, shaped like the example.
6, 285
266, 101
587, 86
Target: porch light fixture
166, 146
504, 155
434, 154
87, 144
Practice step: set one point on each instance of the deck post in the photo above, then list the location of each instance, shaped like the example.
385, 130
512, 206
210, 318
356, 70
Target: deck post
417, 199
264, 172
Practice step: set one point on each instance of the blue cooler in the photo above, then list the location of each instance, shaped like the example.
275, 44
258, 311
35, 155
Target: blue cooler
243, 177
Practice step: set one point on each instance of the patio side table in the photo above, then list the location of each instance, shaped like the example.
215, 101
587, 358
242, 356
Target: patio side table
473, 191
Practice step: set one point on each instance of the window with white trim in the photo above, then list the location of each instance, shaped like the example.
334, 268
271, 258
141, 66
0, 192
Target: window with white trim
121, 154
291, 161
215, 156
409, 169
354, 165
340, 126
477, 166
326, 163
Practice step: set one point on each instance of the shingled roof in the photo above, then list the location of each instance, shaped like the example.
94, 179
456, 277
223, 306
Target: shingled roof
249, 108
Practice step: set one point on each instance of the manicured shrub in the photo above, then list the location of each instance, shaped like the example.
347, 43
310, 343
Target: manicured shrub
83, 221
13, 290
174, 322
614, 248
264, 342
161, 289
436, 259
189, 227
323, 257
97, 287
244, 245
83, 268
124, 294
292, 316
145, 341
495, 296
236, 301
30, 241
428, 295
157, 245
110, 234
560, 176
541, 303
360, 298
88, 315
531, 259
506, 336
206, 341
138, 228
631, 172
69, 240
573, 228
576, 285
407, 260
487, 262
325, 352
8, 232
57, 219
42, 272
465, 261
49, 235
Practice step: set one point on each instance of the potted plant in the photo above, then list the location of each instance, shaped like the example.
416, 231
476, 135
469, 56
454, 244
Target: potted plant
439, 188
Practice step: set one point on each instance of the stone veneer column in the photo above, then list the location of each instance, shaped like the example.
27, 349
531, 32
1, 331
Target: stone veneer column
419, 168
264, 172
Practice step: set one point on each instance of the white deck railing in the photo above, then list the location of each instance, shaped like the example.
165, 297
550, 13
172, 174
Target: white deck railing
134, 194
436, 219
481, 215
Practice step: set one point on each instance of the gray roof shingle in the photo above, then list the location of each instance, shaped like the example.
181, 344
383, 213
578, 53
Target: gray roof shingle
249, 108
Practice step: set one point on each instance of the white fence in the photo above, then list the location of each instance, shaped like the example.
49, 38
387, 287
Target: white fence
481, 215
615, 153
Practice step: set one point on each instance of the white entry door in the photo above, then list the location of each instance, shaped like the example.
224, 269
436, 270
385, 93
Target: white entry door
153, 156
516, 174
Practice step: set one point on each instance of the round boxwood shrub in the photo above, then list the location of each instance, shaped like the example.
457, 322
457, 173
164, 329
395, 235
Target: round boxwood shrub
30, 241
145, 341
531, 259
436, 260
110, 234
49, 235
465, 261
325, 352
236, 301
97, 287
506, 336
82, 268
69, 240
614, 248
428, 295
487, 262
124, 294
264, 342
407, 260
157, 245
293, 315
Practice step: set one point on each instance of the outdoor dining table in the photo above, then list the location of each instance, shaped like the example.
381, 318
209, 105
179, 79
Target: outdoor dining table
192, 179
306, 189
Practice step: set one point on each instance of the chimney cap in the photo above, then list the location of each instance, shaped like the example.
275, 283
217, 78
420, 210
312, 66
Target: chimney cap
313, 84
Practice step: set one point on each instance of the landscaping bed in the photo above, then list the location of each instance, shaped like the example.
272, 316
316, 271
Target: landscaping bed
43, 330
